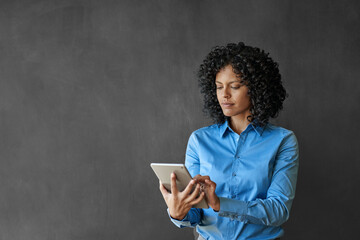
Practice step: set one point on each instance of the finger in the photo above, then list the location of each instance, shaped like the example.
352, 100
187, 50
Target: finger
196, 177
174, 189
206, 177
211, 184
163, 190
189, 187
199, 199
203, 178
195, 193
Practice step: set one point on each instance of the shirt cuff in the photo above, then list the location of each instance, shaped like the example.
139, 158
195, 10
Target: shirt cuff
232, 208
185, 222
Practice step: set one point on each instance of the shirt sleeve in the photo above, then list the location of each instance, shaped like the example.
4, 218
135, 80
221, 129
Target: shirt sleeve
193, 217
275, 209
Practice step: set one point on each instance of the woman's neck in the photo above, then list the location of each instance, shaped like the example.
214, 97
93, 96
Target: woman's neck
238, 123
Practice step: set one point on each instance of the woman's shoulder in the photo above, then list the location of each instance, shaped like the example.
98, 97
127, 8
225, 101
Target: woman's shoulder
279, 132
206, 131
272, 128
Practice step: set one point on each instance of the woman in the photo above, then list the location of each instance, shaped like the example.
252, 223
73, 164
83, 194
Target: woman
247, 167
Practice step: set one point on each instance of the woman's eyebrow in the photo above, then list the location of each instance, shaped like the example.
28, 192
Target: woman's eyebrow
229, 82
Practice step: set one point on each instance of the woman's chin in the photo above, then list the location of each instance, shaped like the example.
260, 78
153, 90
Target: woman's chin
228, 113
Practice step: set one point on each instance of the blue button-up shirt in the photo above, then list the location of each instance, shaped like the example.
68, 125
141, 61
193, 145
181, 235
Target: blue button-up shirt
255, 173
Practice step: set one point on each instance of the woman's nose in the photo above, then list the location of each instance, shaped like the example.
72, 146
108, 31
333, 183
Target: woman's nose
226, 93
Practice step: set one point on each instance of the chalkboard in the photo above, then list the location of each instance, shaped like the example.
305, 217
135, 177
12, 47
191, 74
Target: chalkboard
92, 92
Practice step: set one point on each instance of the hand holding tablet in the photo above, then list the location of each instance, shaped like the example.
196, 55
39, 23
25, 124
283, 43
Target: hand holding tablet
180, 192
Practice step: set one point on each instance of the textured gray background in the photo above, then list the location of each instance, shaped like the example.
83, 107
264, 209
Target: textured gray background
92, 92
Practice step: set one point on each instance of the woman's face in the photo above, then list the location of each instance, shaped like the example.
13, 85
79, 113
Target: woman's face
231, 94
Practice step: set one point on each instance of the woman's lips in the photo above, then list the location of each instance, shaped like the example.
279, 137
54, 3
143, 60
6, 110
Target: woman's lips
227, 105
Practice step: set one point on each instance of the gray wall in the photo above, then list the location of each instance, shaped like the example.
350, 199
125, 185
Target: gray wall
92, 92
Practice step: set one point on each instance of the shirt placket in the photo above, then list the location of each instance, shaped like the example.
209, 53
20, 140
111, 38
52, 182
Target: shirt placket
235, 178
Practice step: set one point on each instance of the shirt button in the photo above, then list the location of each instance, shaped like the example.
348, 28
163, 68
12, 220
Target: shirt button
234, 174
233, 196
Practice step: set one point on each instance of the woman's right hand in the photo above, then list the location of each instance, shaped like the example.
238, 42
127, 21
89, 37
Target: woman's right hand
179, 203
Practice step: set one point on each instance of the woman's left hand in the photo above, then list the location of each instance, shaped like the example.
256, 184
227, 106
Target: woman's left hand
209, 189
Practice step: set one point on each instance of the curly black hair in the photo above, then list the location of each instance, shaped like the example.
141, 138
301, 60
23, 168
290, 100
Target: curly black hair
255, 69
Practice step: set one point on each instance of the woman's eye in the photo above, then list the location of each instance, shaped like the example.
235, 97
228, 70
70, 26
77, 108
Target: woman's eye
218, 87
235, 87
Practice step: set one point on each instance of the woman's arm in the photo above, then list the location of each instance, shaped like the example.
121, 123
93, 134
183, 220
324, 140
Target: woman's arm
193, 216
274, 210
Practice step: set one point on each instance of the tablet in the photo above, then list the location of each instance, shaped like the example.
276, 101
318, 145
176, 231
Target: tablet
183, 177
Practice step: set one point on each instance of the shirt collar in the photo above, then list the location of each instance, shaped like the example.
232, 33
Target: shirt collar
225, 127
258, 129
